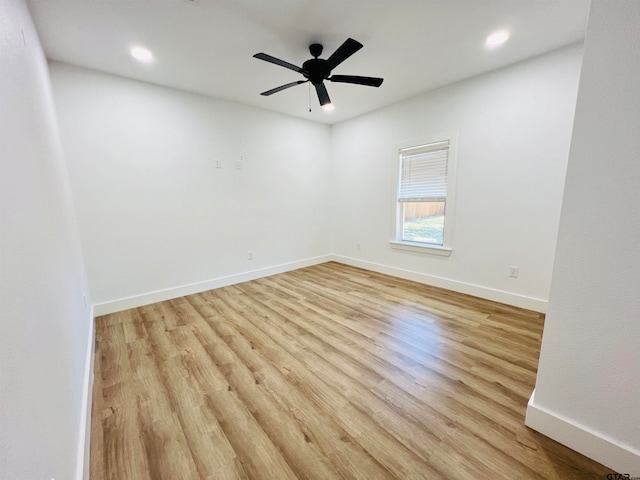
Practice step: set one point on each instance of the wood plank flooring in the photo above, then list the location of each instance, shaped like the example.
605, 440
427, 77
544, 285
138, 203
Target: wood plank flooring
328, 372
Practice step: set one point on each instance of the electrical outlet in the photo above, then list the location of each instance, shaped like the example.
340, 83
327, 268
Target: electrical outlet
239, 164
218, 163
357, 245
514, 271
249, 255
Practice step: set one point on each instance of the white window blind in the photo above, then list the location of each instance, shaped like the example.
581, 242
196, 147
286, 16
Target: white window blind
423, 173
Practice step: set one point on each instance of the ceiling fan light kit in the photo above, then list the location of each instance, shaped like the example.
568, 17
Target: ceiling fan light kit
316, 70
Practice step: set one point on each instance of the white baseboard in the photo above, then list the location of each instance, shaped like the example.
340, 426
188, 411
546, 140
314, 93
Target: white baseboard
180, 291
529, 303
84, 436
618, 458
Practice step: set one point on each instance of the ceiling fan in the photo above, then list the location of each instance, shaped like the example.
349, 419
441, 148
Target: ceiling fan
317, 70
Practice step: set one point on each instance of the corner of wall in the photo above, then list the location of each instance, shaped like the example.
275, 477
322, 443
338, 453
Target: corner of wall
581, 439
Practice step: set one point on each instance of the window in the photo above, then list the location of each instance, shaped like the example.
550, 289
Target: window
424, 210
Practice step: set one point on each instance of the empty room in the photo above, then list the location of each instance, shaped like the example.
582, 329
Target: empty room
287, 239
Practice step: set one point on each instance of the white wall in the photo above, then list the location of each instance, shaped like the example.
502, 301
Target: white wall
588, 385
514, 128
44, 324
154, 211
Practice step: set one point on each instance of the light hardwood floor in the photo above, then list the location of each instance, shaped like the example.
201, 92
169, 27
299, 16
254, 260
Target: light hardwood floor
326, 372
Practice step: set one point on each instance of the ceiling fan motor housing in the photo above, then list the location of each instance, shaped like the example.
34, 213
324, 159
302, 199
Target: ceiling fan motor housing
316, 70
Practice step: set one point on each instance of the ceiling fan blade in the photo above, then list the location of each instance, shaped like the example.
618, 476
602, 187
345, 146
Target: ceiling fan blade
282, 87
369, 81
277, 61
323, 95
344, 51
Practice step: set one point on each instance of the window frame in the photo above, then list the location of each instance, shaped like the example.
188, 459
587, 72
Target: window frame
449, 222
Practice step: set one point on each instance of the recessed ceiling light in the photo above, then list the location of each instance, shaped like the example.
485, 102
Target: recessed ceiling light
327, 107
497, 38
142, 54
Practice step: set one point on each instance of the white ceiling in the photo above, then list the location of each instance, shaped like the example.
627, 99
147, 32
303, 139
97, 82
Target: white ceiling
206, 46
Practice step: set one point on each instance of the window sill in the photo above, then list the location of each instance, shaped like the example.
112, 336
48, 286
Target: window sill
421, 248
